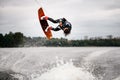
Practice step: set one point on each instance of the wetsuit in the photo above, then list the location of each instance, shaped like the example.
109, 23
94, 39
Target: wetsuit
65, 24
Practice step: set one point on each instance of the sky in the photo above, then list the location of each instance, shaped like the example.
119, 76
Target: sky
92, 18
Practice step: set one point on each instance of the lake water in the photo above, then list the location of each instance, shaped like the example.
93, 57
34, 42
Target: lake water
62, 63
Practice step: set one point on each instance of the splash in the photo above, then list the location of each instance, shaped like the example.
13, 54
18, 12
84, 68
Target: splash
66, 71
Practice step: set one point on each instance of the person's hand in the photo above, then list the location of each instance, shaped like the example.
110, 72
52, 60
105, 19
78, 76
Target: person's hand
60, 24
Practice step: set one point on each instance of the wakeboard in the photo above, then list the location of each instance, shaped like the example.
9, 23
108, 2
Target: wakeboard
44, 24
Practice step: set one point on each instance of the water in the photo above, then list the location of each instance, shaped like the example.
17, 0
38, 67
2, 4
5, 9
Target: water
66, 71
57, 63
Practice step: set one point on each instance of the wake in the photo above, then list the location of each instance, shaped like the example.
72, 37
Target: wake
94, 55
65, 71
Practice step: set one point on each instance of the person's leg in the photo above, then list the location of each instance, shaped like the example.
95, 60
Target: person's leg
54, 29
52, 20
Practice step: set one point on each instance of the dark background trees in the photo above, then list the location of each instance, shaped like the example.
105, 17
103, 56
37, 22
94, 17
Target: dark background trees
19, 40
11, 39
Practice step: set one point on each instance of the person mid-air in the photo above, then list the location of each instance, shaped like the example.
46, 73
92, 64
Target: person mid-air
63, 25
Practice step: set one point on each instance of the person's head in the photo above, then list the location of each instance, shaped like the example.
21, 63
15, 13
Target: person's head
66, 31
67, 26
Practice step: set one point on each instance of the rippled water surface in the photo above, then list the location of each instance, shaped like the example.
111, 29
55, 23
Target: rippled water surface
61, 63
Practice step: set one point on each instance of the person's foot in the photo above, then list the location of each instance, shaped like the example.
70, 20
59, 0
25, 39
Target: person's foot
44, 18
48, 28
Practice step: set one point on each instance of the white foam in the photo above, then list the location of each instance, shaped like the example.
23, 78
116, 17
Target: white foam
118, 78
66, 71
95, 54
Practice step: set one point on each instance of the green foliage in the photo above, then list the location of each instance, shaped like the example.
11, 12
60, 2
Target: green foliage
1, 40
19, 40
11, 39
57, 42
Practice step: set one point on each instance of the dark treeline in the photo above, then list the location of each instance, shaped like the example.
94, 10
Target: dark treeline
11, 39
19, 40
